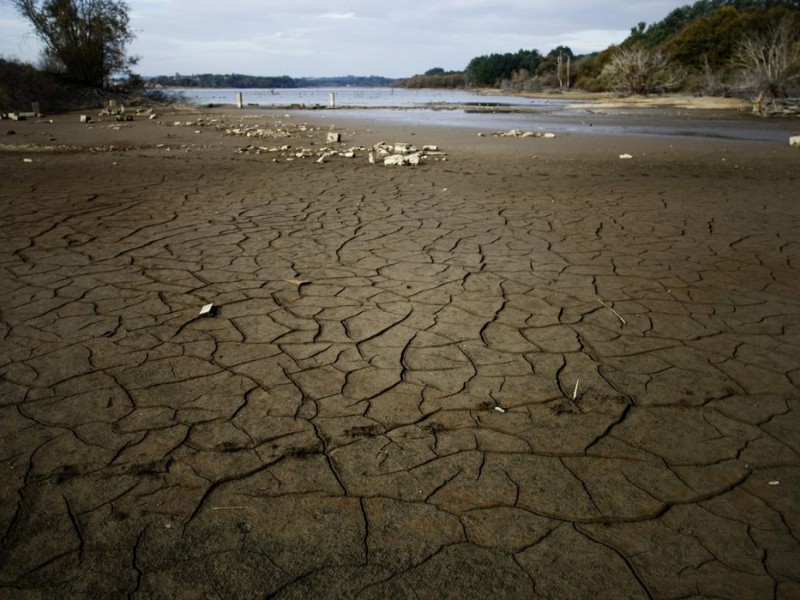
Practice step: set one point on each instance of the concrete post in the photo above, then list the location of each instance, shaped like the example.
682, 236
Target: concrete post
333, 99
239, 100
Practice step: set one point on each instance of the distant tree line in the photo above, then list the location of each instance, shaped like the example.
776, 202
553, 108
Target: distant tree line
236, 80
435, 78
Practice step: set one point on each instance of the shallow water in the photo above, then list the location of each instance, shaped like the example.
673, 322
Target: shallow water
351, 97
559, 119
453, 108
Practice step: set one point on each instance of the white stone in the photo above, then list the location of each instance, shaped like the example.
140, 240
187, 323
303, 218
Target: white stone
207, 310
625, 156
334, 138
794, 140
401, 148
549, 136
86, 119
413, 159
394, 160
430, 148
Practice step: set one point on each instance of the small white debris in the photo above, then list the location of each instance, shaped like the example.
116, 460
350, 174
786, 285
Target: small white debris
207, 310
334, 138
395, 160
575, 391
774, 483
794, 140
297, 282
500, 409
86, 119
371, 158
27, 160
625, 156
549, 136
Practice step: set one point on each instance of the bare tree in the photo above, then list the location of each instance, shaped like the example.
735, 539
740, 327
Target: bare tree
84, 39
638, 70
770, 62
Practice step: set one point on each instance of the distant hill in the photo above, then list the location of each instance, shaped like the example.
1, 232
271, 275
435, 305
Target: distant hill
236, 80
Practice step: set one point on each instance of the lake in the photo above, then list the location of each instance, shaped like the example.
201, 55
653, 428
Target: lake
556, 114
351, 97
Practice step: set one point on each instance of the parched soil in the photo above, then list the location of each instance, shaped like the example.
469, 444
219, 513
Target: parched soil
532, 370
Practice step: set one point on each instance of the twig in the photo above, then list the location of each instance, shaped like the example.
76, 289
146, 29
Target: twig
619, 316
575, 393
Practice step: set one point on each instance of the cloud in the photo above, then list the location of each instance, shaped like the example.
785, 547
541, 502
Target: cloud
363, 37
337, 16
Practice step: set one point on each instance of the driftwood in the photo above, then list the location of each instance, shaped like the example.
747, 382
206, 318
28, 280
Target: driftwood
771, 107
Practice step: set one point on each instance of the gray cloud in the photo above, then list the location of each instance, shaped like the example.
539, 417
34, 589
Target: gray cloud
361, 37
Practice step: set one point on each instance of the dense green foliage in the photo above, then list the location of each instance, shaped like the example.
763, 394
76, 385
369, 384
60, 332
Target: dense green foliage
435, 78
491, 70
658, 33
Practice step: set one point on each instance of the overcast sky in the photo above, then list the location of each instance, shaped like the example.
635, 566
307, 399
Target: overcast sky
352, 37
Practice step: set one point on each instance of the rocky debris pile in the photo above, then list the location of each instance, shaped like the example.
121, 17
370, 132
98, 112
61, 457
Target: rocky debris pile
398, 154
401, 154
279, 131
517, 133
390, 155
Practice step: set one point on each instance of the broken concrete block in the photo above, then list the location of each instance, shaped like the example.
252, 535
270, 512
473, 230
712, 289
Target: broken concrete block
86, 119
794, 140
394, 160
334, 138
401, 148
207, 310
625, 156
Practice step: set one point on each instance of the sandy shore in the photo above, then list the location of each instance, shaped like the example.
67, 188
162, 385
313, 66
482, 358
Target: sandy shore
533, 369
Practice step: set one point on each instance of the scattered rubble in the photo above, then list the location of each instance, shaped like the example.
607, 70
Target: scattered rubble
517, 133
399, 154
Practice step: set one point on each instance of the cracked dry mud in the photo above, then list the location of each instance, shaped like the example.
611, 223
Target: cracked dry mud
384, 404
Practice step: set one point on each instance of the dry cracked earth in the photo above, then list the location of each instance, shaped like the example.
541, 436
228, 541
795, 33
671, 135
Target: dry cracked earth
481, 378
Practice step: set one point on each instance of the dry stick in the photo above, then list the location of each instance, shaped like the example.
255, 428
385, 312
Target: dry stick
619, 316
